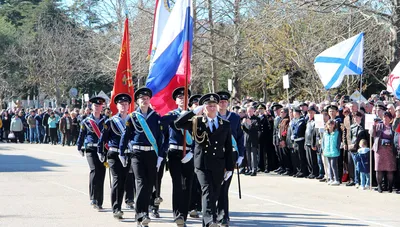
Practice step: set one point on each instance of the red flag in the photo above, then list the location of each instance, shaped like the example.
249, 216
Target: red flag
123, 77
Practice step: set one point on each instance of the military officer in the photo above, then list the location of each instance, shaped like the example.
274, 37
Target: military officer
143, 131
238, 154
117, 160
298, 134
181, 165
88, 138
276, 107
213, 152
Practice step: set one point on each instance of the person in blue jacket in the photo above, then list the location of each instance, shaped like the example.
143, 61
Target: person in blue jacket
181, 166
87, 142
144, 133
117, 161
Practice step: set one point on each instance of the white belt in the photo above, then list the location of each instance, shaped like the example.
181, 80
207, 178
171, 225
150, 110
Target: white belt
113, 149
176, 147
143, 148
91, 144
234, 149
299, 139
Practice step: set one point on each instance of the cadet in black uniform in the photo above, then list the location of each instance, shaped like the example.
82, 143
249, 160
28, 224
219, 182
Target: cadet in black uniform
180, 167
213, 152
238, 154
143, 131
277, 121
117, 160
88, 138
195, 198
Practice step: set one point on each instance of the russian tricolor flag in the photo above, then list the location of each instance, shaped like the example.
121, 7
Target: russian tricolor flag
170, 65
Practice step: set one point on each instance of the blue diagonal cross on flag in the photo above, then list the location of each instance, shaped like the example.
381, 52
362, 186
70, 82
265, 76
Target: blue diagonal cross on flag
345, 58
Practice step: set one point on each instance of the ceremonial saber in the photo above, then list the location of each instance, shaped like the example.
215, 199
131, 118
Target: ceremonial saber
240, 190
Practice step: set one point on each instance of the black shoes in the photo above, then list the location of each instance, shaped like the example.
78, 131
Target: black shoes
253, 174
118, 214
194, 214
155, 214
350, 184
224, 223
320, 177
311, 176
266, 171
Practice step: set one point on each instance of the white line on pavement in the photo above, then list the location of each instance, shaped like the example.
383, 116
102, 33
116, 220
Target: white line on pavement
311, 210
70, 188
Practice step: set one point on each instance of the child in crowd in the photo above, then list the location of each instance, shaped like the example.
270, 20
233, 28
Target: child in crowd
331, 150
362, 164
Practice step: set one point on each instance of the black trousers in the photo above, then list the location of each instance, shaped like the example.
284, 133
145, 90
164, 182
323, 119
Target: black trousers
280, 156
340, 164
19, 137
53, 135
130, 189
119, 174
271, 159
286, 157
156, 192
299, 145
47, 134
96, 177
223, 200
312, 162
182, 178
261, 156
144, 168
195, 199
350, 166
210, 181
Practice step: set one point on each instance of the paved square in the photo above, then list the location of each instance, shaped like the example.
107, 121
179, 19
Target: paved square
45, 185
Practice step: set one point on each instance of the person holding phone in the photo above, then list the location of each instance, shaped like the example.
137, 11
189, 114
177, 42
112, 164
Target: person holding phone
385, 159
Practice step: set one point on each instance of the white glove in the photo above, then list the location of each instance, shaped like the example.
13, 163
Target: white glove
81, 153
187, 157
198, 109
102, 158
239, 161
228, 174
159, 160
123, 160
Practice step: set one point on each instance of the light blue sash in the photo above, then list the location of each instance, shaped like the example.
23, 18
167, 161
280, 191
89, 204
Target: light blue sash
147, 131
119, 124
234, 144
189, 139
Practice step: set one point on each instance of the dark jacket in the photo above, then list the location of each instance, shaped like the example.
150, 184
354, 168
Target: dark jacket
213, 151
251, 132
357, 133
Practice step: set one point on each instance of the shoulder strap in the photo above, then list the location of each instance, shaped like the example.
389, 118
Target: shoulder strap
96, 130
117, 121
147, 131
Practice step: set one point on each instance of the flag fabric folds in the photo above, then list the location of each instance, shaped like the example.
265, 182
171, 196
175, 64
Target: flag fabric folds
393, 83
161, 15
345, 58
171, 62
123, 77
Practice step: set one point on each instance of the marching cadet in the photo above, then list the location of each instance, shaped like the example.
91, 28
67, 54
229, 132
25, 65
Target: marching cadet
213, 152
117, 160
181, 165
195, 199
143, 131
88, 139
298, 134
237, 154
